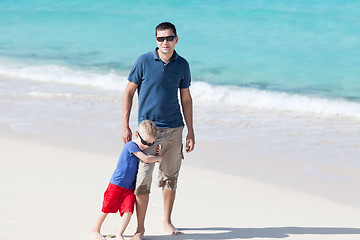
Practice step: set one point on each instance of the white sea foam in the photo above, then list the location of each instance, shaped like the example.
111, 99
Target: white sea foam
270, 100
64, 75
46, 95
203, 93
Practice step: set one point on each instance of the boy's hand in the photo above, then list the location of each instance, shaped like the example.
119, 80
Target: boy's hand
158, 154
158, 150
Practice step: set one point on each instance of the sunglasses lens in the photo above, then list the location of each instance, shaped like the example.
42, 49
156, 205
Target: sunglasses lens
143, 141
147, 144
168, 38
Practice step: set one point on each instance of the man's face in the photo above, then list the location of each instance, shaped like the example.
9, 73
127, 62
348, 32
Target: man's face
166, 47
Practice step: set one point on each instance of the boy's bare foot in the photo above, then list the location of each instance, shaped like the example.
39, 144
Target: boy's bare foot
119, 237
139, 235
97, 236
168, 227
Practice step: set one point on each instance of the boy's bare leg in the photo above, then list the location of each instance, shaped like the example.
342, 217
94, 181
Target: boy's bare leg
118, 237
141, 207
169, 199
95, 232
124, 223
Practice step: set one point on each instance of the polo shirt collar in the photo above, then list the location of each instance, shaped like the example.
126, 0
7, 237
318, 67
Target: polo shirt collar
155, 56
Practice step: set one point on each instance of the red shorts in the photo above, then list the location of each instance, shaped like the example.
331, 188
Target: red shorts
117, 198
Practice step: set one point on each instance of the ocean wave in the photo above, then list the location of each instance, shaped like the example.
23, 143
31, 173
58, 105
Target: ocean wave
202, 92
65, 75
273, 101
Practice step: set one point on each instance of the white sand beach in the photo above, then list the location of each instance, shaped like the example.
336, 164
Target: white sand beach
276, 113
49, 191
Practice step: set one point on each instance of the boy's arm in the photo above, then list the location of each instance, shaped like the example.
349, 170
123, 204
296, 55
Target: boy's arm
147, 158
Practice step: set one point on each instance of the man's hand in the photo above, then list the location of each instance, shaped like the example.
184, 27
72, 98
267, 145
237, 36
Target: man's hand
190, 142
126, 134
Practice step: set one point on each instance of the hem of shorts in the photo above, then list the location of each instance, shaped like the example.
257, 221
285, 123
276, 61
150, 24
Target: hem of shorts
142, 193
109, 211
127, 210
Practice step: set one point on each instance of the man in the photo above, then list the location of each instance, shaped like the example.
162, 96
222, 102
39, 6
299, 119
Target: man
158, 76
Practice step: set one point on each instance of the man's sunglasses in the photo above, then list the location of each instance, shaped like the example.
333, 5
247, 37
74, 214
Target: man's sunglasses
168, 38
144, 142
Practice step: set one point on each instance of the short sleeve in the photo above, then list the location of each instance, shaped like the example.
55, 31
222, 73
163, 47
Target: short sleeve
133, 147
186, 78
136, 71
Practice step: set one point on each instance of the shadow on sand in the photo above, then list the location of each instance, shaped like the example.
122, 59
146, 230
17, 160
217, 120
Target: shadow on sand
248, 233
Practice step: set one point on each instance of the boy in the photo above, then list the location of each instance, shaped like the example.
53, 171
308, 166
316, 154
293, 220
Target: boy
119, 196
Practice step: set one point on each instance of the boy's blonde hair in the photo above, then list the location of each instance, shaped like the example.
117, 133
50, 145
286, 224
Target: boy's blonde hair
148, 127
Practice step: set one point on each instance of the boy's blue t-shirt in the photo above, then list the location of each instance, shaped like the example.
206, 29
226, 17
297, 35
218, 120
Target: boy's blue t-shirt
127, 167
158, 86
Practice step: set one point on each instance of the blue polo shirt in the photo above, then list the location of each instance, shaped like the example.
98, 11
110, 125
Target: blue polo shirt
127, 167
158, 86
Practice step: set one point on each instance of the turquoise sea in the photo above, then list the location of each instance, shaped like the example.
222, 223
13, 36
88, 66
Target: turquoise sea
306, 47
280, 77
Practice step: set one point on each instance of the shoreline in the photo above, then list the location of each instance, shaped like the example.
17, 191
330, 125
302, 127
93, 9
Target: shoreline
336, 183
63, 187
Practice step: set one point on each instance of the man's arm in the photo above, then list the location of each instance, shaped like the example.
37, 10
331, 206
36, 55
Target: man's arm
129, 92
187, 107
147, 158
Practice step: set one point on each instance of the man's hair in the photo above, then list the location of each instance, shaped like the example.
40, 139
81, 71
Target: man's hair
164, 26
148, 127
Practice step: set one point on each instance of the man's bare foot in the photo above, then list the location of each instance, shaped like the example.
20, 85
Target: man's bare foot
97, 235
168, 227
139, 235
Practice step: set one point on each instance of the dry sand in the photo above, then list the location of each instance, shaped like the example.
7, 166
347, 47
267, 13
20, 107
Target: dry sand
52, 192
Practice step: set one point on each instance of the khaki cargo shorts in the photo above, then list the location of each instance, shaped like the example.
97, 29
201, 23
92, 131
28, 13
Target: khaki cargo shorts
170, 140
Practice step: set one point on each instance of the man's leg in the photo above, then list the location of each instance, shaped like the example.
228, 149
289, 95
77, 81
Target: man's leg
141, 207
142, 191
168, 173
169, 199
